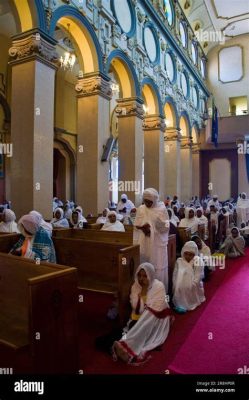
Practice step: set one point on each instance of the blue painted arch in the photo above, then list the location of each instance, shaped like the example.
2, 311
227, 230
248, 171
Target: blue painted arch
170, 100
68, 11
41, 17
122, 56
148, 81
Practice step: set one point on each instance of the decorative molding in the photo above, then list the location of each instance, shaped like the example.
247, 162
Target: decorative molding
31, 46
94, 84
131, 107
173, 134
154, 122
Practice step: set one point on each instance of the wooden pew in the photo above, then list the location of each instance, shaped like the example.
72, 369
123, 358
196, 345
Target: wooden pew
7, 241
106, 267
184, 234
211, 235
38, 315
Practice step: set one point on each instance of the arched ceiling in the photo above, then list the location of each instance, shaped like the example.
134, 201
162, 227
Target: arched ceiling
218, 20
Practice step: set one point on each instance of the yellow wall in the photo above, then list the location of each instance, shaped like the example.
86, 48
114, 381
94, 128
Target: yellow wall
65, 106
222, 91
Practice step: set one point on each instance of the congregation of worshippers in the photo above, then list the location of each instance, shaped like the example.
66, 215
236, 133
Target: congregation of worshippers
154, 295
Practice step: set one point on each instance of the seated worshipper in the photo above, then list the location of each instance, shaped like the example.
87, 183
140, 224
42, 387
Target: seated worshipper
175, 209
244, 231
59, 221
190, 221
242, 209
150, 319
172, 217
175, 201
125, 205
80, 209
188, 291
35, 242
8, 224
151, 233
234, 244
181, 212
129, 219
45, 225
102, 219
202, 220
112, 224
67, 210
76, 220
205, 253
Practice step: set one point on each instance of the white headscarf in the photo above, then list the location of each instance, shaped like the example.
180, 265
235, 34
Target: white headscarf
30, 222
190, 247
9, 215
152, 195
113, 226
61, 213
45, 225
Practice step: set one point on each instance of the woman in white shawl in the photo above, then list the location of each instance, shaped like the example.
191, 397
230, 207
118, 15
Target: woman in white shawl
172, 217
188, 291
59, 221
80, 210
103, 217
202, 219
242, 209
234, 244
76, 220
45, 225
8, 224
190, 220
150, 320
113, 224
151, 233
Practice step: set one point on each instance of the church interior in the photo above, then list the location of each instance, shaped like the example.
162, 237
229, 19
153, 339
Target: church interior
124, 187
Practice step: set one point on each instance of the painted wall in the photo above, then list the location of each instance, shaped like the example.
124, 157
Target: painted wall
222, 91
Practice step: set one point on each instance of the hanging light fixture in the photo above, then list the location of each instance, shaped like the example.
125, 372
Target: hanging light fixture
68, 60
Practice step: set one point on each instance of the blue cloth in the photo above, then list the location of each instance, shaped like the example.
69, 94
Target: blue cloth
43, 246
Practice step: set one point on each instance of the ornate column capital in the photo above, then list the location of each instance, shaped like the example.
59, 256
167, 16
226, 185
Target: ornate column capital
173, 134
195, 148
94, 84
132, 107
154, 122
186, 143
33, 45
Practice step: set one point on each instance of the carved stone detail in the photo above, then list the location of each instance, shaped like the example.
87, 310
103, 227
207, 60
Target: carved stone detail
154, 122
129, 107
92, 85
33, 45
172, 134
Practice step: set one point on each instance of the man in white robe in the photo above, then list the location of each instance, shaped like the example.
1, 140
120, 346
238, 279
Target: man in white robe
151, 233
125, 205
242, 209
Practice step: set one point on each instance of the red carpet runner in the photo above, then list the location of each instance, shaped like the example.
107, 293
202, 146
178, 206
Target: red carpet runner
213, 339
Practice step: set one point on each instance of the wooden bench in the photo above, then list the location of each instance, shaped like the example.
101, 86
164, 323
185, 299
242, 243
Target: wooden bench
38, 315
106, 267
212, 235
7, 241
184, 235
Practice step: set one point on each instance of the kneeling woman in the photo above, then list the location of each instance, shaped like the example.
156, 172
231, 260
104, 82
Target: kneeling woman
188, 291
35, 242
150, 320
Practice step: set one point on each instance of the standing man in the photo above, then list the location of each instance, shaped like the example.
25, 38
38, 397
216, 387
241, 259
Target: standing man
151, 233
